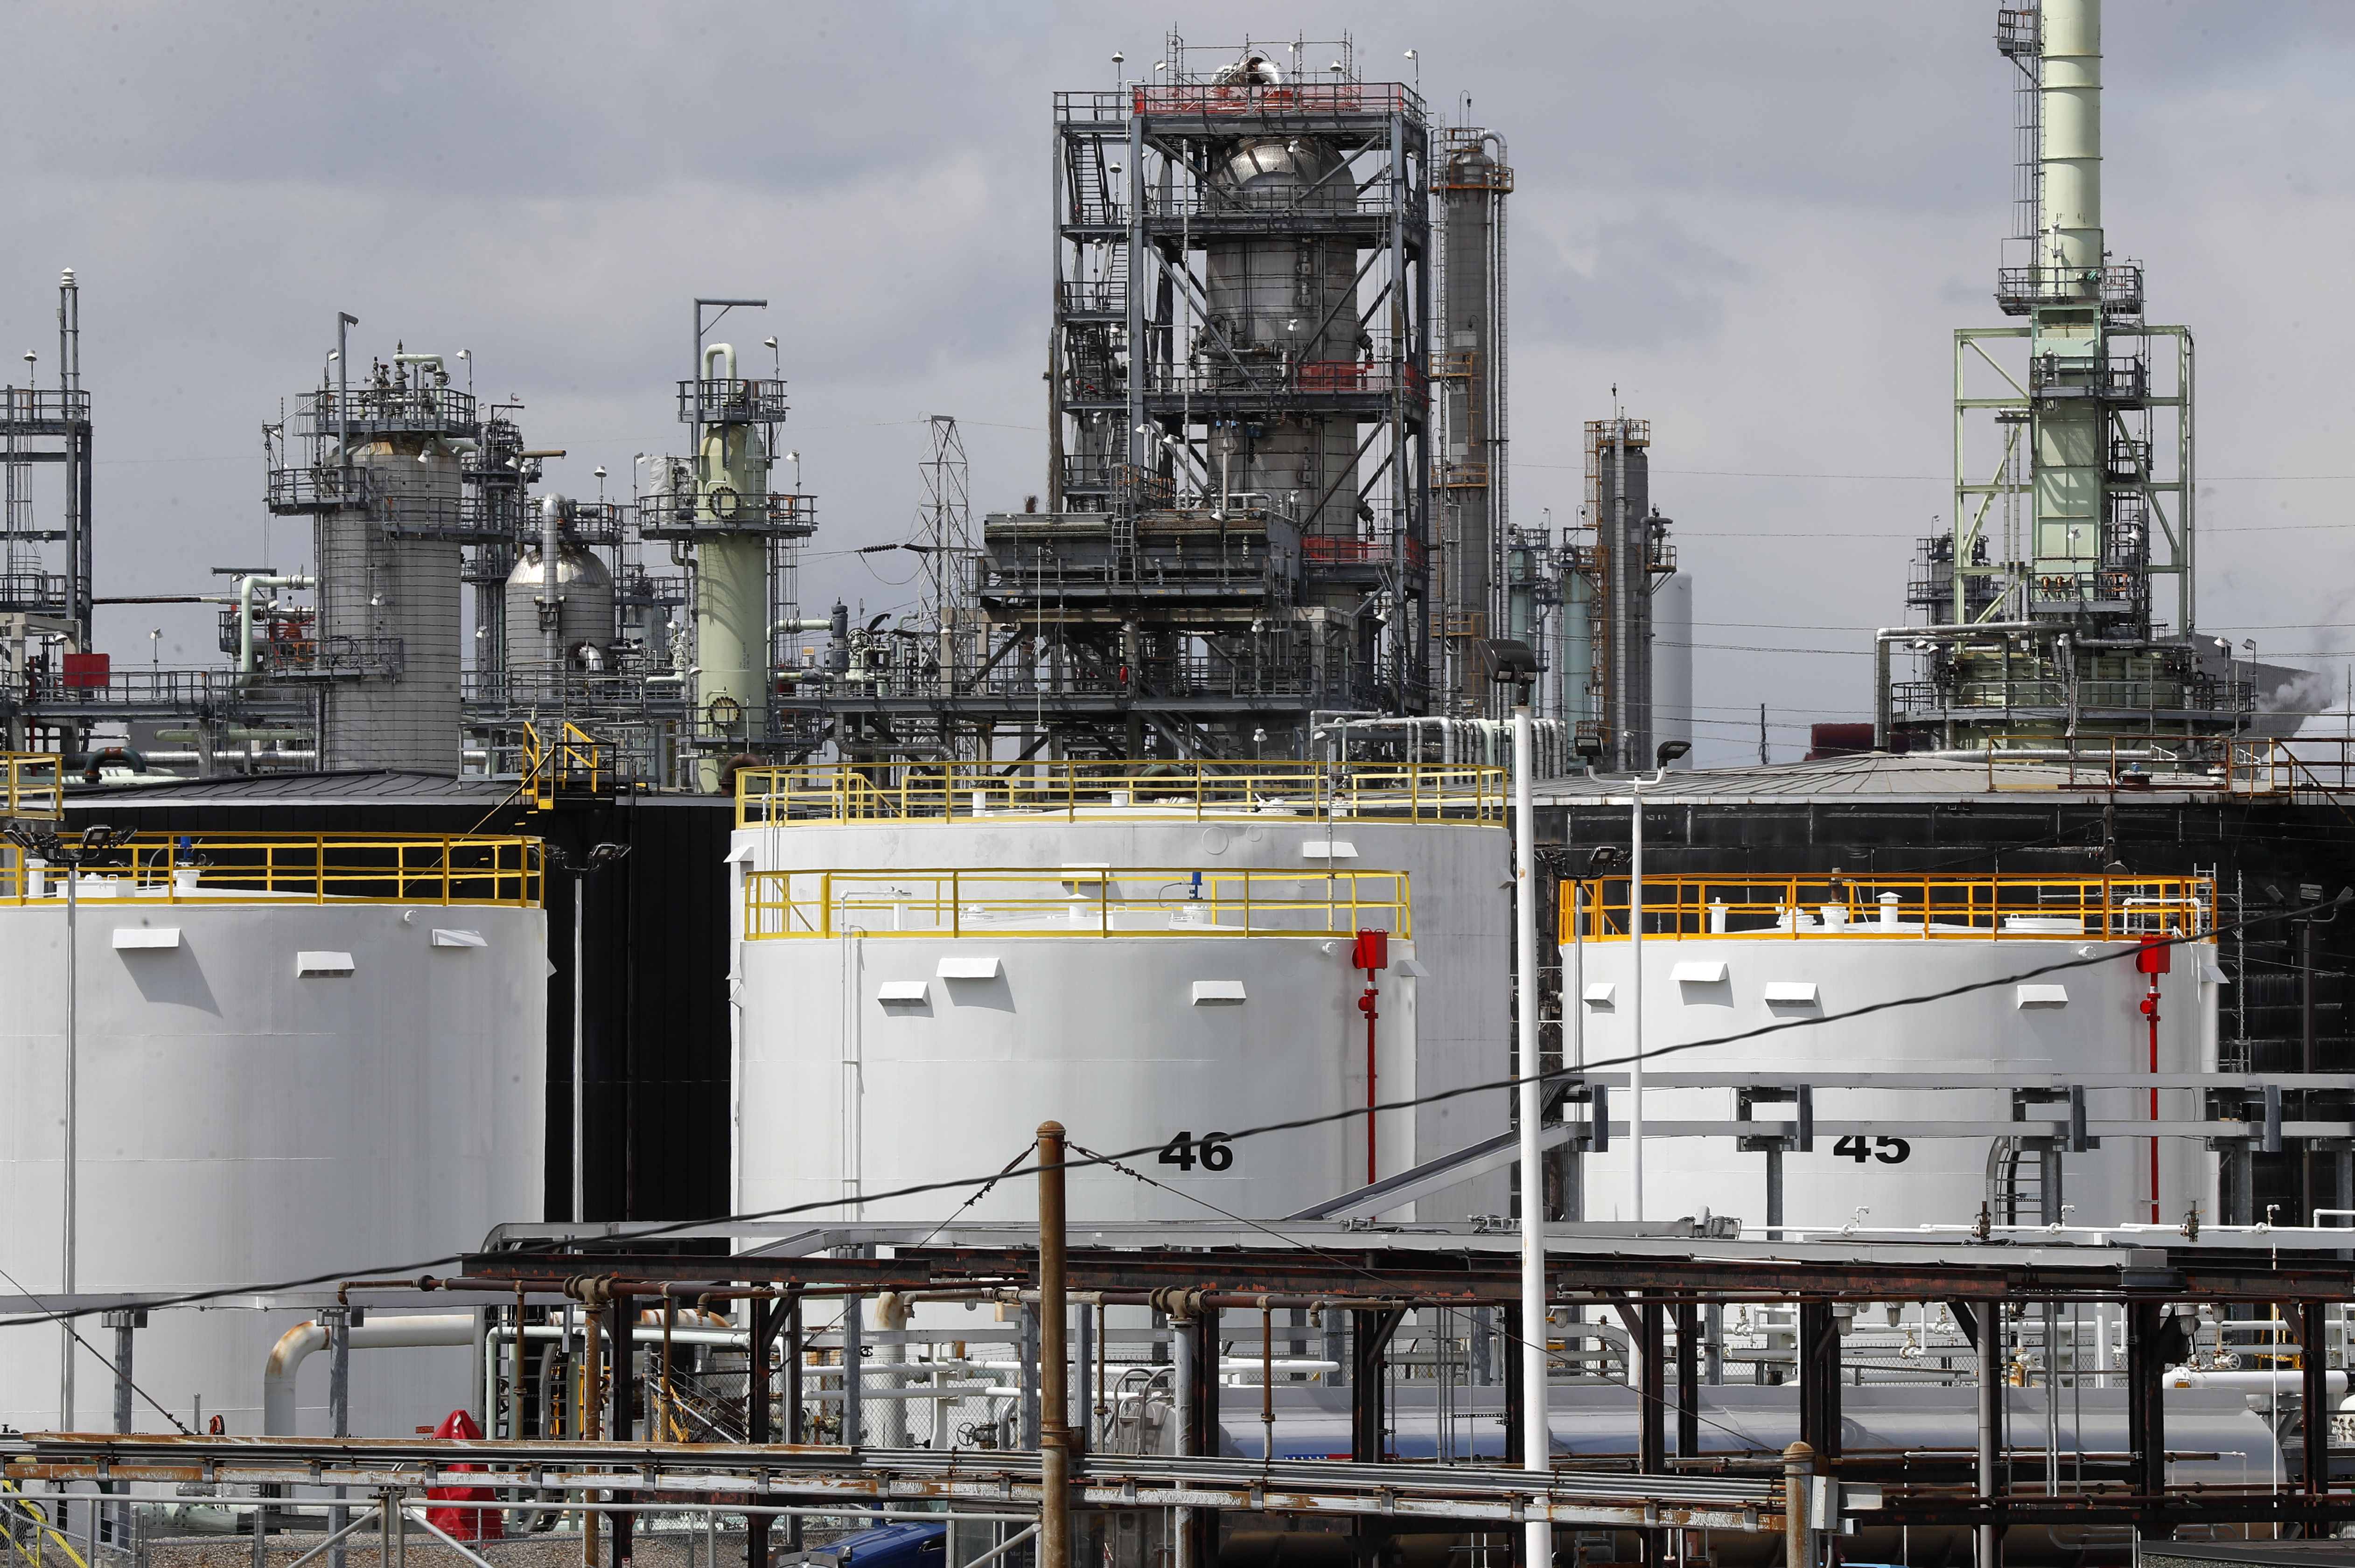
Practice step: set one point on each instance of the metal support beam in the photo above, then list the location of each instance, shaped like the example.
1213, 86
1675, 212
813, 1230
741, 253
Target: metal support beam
1687, 1381
1819, 1374
761, 1324
795, 1426
1652, 1386
1201, 1525
2146, 1413
624, 1390
1370, 1343
2314, 1366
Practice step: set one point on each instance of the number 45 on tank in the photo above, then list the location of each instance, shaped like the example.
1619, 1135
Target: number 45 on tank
1888, 1151
1212, 1148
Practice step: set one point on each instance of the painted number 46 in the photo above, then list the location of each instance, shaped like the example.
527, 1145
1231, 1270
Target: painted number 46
1888, 1151
1211, 1149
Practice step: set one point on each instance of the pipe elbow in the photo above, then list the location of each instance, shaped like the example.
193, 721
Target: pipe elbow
292, 1347
286, 1359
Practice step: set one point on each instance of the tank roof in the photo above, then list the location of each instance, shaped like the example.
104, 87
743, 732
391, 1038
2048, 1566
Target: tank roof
1880, 775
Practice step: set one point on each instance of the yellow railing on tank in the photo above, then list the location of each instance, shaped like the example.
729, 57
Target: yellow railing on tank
1071, 901
1900, 907
277, 868
34, 790
954, 792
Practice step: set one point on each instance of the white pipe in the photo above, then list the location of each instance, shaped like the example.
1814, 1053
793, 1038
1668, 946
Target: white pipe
287, 1356
1537, 1442
1945, 633
726, 354
551, 608
433, 360
245, 587
2288, 1384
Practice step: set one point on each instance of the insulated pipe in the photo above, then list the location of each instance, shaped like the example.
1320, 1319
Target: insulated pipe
245, 587
551, 607
726, 354
1884, 713
287, 1356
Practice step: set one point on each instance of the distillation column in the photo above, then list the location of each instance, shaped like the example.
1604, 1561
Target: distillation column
388, 573
731, 564
1471, 391
2068, 345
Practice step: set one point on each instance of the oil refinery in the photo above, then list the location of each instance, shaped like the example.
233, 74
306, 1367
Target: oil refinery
1231, 1027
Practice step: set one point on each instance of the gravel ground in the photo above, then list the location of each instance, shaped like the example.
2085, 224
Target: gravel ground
418, 1550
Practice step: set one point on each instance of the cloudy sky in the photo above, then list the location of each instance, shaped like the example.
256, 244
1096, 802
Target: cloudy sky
1760, 221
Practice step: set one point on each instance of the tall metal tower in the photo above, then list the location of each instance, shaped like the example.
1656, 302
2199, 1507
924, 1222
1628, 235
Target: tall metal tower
742, 534
2047, 598
1610, 573
1239, 395
40, 425
1468, 365
944, 522
379, 466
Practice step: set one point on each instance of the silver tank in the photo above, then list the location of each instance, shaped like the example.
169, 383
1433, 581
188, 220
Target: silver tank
580, 614
1283, 302
396, 598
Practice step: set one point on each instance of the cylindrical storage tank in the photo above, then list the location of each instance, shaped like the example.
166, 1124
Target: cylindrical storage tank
269, 1089
580, 605
893, 1052
1738, 968
389, 609
1283, 305
1672, 663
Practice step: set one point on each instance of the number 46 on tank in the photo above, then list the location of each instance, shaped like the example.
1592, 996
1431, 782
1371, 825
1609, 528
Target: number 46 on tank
1211, 1149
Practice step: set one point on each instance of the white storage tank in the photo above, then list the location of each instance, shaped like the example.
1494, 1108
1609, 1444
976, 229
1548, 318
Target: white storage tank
1726, 956
939, 961
280, 1075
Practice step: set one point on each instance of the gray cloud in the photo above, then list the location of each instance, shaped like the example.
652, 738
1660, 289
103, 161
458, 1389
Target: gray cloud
1761, 222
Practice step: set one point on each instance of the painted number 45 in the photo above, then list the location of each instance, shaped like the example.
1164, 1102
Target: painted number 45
1212, 1148
1888, 1151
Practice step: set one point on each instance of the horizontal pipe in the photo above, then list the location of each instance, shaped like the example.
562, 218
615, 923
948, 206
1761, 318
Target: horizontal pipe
295, 1346
1945, 633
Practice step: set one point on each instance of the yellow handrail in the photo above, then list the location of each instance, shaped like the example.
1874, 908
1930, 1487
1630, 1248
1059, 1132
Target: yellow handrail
1900, 907
324, 868
573, 757
954, 792
1119, 900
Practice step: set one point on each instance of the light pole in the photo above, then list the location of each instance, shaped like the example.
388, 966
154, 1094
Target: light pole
92, 844
598, 858
1666, 752
1537, 1445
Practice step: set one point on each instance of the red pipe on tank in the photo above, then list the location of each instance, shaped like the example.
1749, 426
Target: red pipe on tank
1371, 953
2153, 961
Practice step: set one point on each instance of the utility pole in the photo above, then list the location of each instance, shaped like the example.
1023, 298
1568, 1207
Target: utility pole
1054, 1389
